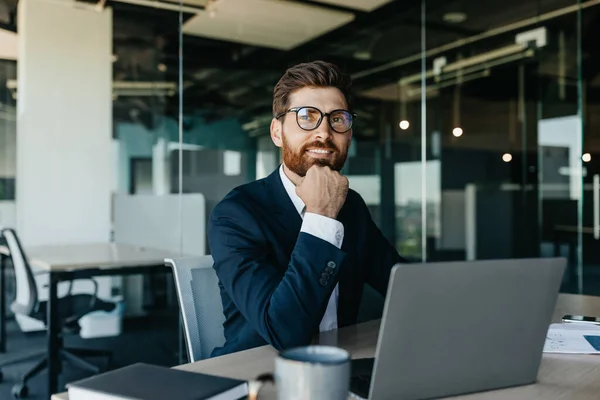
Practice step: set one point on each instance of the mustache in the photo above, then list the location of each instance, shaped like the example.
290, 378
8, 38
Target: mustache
320, 145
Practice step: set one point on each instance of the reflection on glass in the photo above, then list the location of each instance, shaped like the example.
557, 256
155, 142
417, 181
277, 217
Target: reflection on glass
408, 187
8, 138
560, 147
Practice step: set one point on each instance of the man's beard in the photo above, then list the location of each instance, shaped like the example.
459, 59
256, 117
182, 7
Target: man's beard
300, 162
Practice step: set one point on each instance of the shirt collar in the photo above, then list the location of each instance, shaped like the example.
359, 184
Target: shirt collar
290, 188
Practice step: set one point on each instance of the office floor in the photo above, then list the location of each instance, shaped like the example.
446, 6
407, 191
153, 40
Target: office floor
151, 340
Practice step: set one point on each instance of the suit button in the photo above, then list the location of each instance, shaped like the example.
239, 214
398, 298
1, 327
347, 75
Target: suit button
323, 282
331, 264
325, 276
329, 270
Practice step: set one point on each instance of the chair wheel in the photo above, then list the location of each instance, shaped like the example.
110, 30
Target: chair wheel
20, 391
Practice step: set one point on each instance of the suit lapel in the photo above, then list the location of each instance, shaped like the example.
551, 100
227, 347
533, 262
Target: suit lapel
282, 208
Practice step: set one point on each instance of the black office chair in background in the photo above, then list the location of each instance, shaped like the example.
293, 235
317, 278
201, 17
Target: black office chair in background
70, 308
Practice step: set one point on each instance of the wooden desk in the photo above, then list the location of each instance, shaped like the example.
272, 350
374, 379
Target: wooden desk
67, 262
561, 376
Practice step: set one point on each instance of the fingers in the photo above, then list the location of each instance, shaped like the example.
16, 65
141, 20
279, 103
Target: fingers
325, 170
316, 167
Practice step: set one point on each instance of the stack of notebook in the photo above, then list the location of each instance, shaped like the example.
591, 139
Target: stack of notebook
149, 382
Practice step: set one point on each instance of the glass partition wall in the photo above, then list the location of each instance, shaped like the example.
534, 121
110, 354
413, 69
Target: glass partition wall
505, 100
470, 138
8, 118
474, 137
583, 88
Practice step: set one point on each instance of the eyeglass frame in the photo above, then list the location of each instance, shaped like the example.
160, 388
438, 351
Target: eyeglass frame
296, 109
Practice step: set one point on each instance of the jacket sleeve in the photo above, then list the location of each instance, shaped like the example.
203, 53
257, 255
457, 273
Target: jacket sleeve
285, 306
381, 254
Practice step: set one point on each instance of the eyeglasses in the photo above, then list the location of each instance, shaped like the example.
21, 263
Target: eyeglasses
309, 118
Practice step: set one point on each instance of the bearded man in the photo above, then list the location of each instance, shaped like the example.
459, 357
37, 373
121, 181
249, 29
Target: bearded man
292, 251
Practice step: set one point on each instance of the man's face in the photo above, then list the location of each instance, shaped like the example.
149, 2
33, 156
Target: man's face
304, 148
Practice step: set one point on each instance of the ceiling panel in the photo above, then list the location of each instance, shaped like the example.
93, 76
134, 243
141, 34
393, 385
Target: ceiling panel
268, 23
362, 5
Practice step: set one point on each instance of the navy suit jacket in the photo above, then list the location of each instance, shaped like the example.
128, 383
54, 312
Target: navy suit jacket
275, 281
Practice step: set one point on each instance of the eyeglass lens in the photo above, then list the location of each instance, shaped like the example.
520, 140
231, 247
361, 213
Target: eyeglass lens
309, 118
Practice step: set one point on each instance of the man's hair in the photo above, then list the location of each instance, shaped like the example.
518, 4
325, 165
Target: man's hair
312, 74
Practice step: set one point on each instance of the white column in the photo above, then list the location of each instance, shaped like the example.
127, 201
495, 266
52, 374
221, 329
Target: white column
65, 161
161, 167
471, 221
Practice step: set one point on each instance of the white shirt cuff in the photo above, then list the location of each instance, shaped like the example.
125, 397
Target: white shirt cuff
325, 228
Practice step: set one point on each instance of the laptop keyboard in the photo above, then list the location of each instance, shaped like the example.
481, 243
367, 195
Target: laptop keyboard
360, 377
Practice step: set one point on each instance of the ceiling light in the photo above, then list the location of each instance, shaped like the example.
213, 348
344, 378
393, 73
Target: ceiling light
587, 157
457, 131
404, 124
162, 67
361, 5
362, 55
455, 17
124, 88
211, 8
507, 157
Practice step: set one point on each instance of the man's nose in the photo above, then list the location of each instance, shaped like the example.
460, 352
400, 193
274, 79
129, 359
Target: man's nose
323, 131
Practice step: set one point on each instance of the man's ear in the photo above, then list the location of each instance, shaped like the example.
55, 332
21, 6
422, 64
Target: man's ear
276, 132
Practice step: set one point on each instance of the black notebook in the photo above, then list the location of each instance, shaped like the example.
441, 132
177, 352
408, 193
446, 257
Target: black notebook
150, 382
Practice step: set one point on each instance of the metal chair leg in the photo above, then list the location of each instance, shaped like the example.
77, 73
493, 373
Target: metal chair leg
22, 359
88, 352
79, 362
107, 355
37, 368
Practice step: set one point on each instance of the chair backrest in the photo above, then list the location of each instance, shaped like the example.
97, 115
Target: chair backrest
200, 304
27, 296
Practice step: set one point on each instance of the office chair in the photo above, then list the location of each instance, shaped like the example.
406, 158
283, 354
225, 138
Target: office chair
70, 308
200, 304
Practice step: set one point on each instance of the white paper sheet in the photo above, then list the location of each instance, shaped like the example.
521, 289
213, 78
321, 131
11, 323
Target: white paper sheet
573, 338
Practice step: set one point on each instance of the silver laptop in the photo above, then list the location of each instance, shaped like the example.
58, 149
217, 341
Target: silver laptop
460, 327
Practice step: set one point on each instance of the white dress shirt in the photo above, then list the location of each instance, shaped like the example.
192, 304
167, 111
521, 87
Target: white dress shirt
325, 228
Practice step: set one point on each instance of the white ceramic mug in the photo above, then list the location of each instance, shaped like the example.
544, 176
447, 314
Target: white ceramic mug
311, 372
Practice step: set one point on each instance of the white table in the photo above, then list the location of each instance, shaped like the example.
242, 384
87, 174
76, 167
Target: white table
561, 376
67, 262
93, 255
